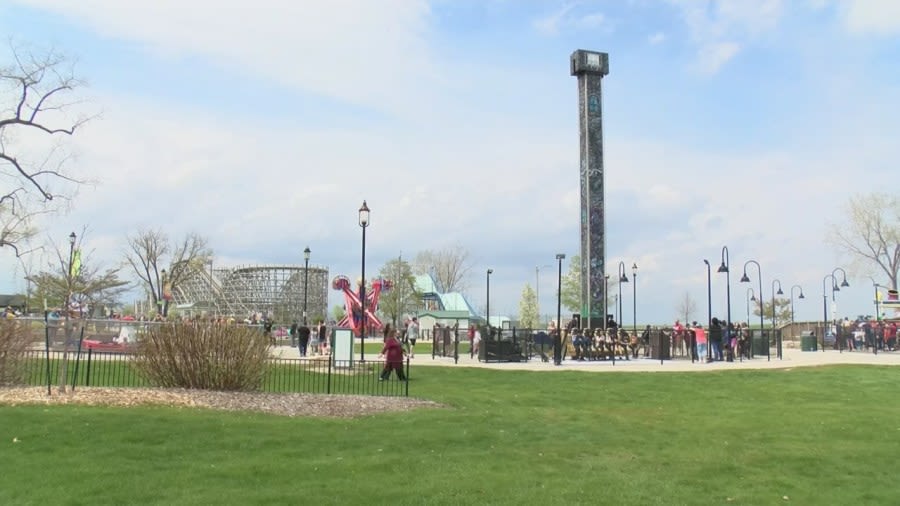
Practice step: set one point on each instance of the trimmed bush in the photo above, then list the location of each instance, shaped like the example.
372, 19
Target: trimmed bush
15, 339
204, 356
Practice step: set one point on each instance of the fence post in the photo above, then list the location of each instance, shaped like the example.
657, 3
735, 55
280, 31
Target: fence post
47, 346
87, 379
328, 385
78, 357
406, 383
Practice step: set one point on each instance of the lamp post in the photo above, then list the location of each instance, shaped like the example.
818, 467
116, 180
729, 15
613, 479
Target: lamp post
634, 269
726, 268
777, 337
162, 295
605, 301
557, 342
762, 325
487, 309
623, 278
306, 253
364, 224
708, 302
792, 304
834, 288
876, 286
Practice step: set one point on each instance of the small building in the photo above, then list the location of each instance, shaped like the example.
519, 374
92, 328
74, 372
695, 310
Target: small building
16, 302
428, 319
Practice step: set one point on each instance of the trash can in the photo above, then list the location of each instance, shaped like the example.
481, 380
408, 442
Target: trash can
808, 341
659, 345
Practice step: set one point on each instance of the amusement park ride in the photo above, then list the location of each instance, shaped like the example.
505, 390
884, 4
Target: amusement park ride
354, 317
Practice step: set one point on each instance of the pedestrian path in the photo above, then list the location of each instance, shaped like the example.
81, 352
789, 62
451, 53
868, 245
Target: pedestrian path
791, 358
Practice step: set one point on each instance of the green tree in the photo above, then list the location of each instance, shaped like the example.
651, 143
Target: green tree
402, 298
571, 287
871, 233
528, 309
782, 310
338, 312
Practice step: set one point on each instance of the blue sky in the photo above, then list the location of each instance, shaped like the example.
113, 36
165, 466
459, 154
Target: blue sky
263, 125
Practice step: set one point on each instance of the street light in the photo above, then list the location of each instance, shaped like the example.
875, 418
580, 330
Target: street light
557, 342
792, 304
634, 268
762, 326
71, 276
605, 301
726, 268
834, 288
623, 278
708, 303
363, 223
876, 286
306, 253
777, 337
162, 295
487, 309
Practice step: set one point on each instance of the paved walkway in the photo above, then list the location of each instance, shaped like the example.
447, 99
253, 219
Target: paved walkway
792, 358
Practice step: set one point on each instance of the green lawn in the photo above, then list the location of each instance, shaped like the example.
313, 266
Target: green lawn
816, 435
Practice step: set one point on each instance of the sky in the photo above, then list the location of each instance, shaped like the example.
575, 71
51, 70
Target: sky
264, 125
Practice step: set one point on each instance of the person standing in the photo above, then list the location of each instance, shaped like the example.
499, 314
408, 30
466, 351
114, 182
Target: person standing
715, 341
700, 340
393, 356
294, 333
412, 335
303, 334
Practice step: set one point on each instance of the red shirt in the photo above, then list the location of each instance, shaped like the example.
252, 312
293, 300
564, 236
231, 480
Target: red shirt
392, 351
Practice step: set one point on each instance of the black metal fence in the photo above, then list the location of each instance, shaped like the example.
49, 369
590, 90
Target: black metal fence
304, 375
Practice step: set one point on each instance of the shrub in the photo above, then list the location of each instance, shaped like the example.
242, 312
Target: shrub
15, 339
204, 356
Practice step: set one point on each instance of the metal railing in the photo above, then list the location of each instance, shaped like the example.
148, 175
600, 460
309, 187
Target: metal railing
304, 375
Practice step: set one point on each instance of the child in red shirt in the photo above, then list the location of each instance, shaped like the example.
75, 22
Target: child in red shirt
393, 356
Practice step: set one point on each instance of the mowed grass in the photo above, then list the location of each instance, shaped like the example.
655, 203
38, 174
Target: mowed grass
804, 436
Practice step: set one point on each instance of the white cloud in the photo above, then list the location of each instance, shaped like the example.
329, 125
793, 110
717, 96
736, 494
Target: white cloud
657, 38
374, 54
877, 17
719, 28
551, 23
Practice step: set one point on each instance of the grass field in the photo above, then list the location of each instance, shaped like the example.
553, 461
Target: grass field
816, 436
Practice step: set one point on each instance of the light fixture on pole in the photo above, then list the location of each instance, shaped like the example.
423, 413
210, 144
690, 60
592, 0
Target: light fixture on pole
623, 278
762, 325
876, 286
557, 341
778, 336
306, 253
634, 269
163, 310
487, 311
364, 224
726, 268
792, 304
708, 305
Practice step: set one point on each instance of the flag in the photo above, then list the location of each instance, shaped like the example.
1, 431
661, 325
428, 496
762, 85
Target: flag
75, 268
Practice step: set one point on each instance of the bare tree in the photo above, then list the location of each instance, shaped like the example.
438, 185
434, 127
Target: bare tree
36, 101
685, 307
449, 267
872, 232
162, 265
